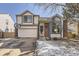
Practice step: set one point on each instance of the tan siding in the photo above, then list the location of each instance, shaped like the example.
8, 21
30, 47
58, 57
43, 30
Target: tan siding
27, 13
28, 27
19, 19
35, 19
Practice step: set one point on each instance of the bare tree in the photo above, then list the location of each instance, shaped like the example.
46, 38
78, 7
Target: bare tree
70, 10
51, 7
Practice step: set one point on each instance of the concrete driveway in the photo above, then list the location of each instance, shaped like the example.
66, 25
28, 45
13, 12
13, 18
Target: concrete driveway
15, 47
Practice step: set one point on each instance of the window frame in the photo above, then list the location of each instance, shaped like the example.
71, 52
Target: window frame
27, 19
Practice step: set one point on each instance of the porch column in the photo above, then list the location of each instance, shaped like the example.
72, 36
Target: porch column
65, 34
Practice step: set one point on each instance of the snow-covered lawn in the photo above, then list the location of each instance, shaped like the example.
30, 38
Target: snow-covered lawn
22, 47
57, 48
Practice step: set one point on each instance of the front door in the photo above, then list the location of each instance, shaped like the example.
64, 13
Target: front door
43, 30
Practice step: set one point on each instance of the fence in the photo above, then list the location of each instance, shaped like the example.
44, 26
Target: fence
70, 35
7, 34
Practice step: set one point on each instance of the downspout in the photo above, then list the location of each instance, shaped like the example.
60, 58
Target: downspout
38, 30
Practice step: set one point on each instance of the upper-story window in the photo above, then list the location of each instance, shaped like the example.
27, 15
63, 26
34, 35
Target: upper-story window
28, 19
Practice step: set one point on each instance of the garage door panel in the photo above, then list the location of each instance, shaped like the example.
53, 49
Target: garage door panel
27, 32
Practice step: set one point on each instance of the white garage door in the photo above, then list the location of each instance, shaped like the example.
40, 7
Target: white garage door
27, 32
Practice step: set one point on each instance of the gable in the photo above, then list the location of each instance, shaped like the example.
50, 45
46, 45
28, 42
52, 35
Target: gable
27, 13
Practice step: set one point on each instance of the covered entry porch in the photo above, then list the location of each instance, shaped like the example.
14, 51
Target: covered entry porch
43, 29
51, 27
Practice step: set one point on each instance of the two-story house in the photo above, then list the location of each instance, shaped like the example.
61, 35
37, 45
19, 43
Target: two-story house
27, 25
34, 26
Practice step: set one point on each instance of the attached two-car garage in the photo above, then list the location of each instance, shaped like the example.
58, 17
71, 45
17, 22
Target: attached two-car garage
29, 32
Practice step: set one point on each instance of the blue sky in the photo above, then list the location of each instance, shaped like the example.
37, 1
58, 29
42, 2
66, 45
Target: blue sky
16, 8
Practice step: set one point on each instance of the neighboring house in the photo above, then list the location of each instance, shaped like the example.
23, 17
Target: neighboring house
27, 25
73, 28
6, 23
34, 26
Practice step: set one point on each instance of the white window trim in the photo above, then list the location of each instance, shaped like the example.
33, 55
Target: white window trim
27, 22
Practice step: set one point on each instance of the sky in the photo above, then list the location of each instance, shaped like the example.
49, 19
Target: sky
16, 8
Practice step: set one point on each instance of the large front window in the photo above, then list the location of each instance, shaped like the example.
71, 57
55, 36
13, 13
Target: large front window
56, 26
28, 19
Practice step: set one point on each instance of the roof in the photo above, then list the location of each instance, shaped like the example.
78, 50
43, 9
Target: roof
26, 12
57, 15
44, 19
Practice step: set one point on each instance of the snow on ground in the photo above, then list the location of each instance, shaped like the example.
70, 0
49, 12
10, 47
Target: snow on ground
24, 47
16, 47
57, 48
